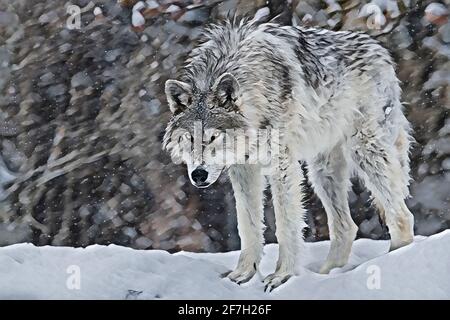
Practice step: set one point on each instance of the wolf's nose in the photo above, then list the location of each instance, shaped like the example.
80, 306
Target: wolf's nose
199, 176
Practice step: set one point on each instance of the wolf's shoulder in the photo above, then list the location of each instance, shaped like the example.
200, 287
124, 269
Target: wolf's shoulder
320, 36
231, 34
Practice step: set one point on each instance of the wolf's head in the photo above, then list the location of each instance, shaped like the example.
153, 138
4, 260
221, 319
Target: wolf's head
200, 126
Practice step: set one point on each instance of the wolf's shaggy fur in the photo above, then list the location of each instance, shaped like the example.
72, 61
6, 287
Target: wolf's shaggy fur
335, 99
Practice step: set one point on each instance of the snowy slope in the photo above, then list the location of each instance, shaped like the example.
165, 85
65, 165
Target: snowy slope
421, 270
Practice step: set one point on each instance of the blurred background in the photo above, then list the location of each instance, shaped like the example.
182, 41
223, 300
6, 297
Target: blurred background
82, 114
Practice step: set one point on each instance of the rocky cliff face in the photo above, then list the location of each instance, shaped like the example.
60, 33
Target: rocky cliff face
82, 114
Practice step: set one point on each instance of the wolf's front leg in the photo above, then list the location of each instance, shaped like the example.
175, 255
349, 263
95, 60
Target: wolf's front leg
285, 184
248, 187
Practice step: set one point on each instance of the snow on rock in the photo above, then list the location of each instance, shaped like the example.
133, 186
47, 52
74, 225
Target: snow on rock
436, 13
172, 9
261, 13
97, 11
417, 271
436, 9
376, 18
137, 19
152, 4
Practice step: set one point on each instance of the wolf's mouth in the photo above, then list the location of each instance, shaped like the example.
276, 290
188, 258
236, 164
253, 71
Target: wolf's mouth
203, 185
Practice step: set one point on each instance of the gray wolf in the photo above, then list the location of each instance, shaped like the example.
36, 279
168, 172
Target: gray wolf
333, 97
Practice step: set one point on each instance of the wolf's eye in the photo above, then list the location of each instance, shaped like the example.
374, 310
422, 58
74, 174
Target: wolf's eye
214, 136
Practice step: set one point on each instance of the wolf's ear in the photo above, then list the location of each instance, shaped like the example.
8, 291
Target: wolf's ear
178, 94
226, 89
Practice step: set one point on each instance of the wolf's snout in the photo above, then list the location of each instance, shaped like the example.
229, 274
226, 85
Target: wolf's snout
199, 176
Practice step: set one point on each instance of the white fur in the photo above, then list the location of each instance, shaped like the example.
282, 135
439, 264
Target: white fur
335, 99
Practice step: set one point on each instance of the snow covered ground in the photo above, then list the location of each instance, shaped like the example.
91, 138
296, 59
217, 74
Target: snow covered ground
418, 271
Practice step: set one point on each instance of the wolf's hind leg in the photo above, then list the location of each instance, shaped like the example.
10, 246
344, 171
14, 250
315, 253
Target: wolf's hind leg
289, 214
385, 172
248, 186
329, 175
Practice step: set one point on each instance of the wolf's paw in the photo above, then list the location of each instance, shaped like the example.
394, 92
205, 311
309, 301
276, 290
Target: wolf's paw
401, 229
339, 252
398, 243
275, 280
241, 276
331, 264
